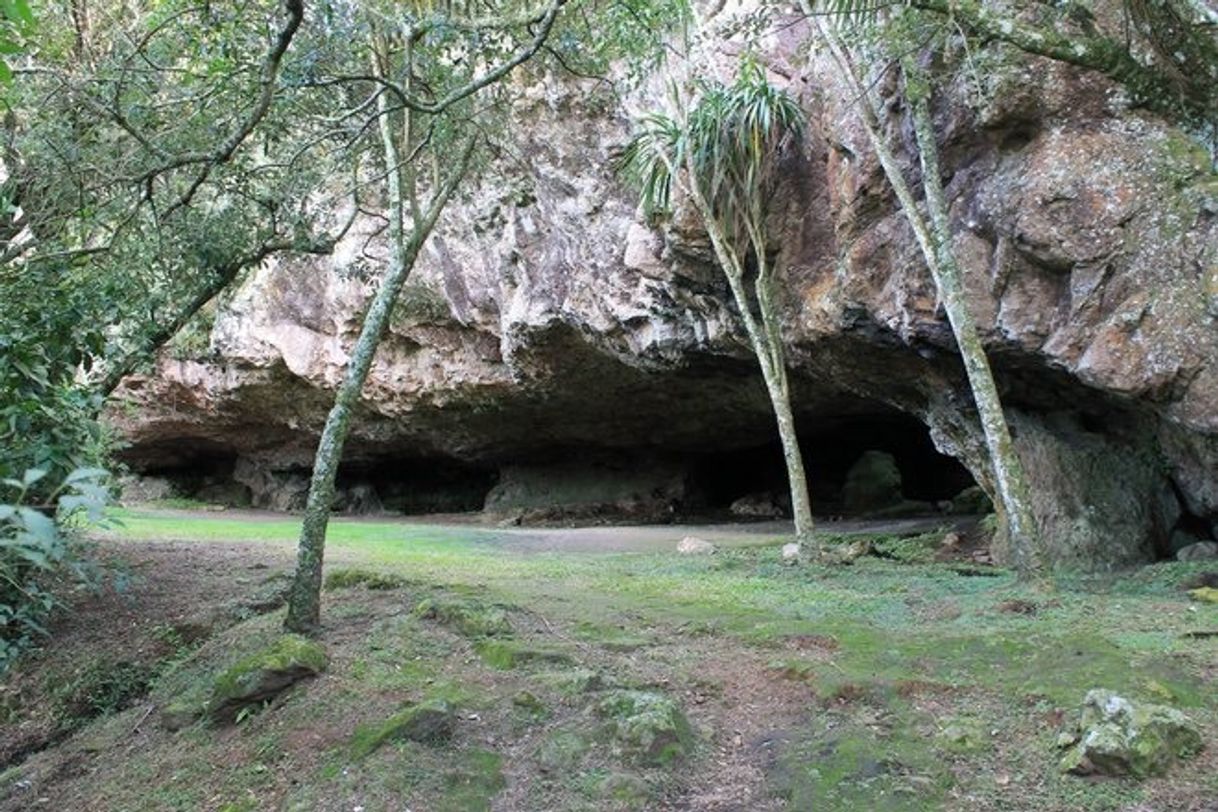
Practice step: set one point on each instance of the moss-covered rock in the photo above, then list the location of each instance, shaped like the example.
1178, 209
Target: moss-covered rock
625, 789
430, 722
873, 483
264, 675
649, 726
1204, 594
964, 735
1115, 736
576, 681
350, 578
469, 617
561, 751
528, 702
508, 654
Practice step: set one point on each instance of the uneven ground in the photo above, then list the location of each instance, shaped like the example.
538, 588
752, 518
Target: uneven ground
808, 688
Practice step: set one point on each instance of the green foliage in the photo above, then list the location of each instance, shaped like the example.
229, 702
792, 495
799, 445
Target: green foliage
47, 419
730, 140
193, 341
100, 688
37, 554
350, 578
17, 26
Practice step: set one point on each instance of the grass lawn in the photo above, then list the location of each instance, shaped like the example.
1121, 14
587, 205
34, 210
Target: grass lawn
890, 684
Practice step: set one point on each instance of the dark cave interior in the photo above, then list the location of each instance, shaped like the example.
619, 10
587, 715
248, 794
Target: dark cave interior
716, 473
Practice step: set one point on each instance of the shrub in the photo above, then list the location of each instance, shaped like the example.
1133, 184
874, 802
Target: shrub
38, 551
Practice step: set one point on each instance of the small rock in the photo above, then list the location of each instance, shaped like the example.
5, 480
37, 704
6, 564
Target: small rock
1205, 594
1200, 580
950, 542
1201, 551
848, 553
625, 788
756, 506
692, 545
1118, 737
791, 553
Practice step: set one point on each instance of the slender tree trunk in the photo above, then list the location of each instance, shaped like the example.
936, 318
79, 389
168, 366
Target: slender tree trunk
1026, 543
304, 600
766, 340
935, 242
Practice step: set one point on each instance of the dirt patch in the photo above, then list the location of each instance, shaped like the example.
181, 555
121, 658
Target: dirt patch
161, 598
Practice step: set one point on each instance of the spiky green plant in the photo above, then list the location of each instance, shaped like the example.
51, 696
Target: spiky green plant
731, 141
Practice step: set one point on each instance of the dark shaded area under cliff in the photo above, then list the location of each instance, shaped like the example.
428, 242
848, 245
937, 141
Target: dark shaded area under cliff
647, 482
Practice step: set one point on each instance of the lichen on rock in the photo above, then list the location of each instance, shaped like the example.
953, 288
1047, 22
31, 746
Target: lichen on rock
649, 726
1116, 736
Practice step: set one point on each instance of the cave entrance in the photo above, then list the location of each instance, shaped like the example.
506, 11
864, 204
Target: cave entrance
413, 485
754, 479
198, 470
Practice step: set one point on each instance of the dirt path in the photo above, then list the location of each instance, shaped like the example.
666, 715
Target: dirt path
661, 538
605, 538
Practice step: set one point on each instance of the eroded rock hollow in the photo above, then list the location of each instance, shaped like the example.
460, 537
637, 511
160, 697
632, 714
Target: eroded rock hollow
552, 346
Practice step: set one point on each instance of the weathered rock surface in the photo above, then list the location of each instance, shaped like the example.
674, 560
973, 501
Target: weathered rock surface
1115, 736
873, 483
757, 506
650, 727
264, 675
692, 545
430, 722
1201, 551
546, 322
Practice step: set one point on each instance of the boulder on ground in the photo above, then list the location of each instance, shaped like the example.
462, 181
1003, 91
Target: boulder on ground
649, 726
791, 553
757, 506
1115, 736
429, 722
264, 675
1200, 551
971, 501
692, 545
360, 499
873, 483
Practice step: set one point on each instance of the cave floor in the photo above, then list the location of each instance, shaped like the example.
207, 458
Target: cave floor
899, 683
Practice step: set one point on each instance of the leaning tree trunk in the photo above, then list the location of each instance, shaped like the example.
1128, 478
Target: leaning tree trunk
304, 600
1014, 494
935, 242
766, 340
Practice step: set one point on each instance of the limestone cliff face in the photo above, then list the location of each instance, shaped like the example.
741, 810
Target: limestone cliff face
546, 316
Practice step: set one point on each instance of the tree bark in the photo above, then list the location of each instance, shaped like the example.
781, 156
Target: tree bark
1015, 496
304, 600
766, 341
935, 242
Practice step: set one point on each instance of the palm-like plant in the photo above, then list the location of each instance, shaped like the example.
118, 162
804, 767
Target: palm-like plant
725, 151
